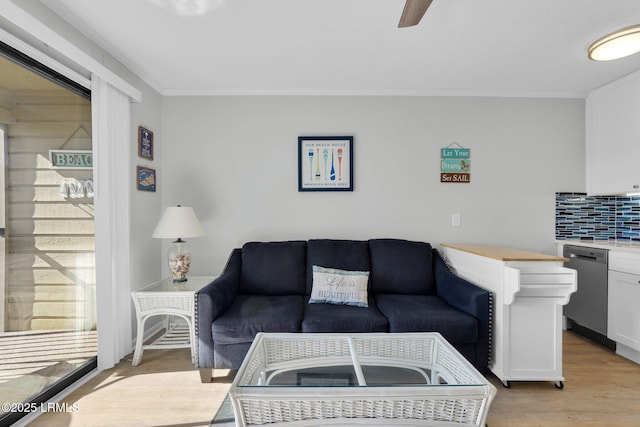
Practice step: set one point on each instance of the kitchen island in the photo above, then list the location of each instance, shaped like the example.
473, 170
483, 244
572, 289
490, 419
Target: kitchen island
529, 290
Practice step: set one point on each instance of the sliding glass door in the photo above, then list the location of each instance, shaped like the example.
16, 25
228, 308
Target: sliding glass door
47, 243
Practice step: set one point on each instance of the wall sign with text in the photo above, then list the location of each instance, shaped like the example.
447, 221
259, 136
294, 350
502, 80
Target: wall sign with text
71, 159
145, 143
455, 164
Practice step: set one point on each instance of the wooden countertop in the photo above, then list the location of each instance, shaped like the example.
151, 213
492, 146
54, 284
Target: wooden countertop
502, 253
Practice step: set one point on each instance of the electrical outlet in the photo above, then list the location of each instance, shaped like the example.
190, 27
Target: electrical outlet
455, 220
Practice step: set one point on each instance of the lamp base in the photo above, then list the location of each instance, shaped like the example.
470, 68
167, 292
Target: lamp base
179, 261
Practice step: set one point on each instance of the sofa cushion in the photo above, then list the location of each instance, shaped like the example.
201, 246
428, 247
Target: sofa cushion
427, 313
343, 318
250, 314
334, 286
273, 268
341, 254
401, 267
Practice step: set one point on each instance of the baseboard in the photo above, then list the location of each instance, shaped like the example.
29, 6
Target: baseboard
628, 353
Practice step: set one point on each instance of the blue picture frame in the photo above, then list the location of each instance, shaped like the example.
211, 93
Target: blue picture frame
325, 163
146, 179
145, 143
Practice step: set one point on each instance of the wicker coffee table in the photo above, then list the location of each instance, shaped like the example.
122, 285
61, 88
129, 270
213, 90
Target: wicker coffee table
367, 379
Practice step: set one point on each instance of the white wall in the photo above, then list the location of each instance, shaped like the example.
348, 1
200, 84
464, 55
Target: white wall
234, 159
146, 207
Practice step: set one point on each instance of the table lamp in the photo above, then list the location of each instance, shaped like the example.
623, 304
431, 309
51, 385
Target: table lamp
178, 222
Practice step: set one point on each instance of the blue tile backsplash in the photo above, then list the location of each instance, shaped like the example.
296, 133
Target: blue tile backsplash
597, 218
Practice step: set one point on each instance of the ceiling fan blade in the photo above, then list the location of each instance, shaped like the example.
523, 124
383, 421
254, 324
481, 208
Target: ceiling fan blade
413, 12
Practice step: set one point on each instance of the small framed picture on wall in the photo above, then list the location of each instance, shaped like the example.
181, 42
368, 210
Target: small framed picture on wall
145, 143
325, 163
146, 178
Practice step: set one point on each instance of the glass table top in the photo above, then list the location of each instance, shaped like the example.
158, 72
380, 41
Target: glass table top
346, 376
193, 283
354, 360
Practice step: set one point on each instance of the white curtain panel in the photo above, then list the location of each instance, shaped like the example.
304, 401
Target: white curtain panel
112, 195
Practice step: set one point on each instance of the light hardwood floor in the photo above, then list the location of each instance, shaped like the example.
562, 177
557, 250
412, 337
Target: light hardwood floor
601, 389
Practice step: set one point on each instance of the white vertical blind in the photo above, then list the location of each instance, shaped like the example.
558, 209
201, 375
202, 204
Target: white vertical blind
112, 175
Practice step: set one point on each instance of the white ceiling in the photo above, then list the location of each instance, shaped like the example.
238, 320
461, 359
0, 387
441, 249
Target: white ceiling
461, 47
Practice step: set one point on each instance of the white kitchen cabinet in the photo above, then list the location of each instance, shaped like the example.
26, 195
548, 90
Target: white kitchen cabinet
624, 316
612, 135
529, 290
623, 322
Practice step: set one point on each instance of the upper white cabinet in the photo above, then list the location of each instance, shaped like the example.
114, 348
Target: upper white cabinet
613, 137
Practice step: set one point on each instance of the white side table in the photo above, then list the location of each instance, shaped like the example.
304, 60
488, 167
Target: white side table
166, 298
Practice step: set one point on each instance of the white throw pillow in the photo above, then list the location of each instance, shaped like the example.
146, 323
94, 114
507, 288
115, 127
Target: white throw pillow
334, 286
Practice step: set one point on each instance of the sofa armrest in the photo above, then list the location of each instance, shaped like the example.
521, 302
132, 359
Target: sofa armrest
467, 297
213, 300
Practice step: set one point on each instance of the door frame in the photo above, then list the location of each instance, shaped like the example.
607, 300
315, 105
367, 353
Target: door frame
3, 216
113, 280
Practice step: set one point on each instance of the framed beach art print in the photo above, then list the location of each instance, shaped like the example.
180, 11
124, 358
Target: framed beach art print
145, 143
145, 178
325, 163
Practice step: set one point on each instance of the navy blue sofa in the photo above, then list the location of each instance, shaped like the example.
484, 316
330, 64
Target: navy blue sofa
265, 287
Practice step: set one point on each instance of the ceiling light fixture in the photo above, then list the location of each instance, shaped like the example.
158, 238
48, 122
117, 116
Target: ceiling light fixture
616, 45
189, 7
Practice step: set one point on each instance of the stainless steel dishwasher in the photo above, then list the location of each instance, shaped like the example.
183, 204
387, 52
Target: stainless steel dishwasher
586, 312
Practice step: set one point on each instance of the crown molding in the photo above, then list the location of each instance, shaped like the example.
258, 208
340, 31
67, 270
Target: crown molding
375, 92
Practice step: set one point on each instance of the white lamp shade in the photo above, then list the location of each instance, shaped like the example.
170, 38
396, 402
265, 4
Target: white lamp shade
178, 222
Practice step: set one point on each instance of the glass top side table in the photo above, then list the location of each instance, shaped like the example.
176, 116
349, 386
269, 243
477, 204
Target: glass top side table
168, 298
